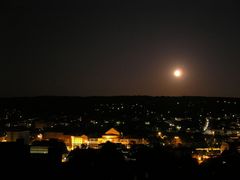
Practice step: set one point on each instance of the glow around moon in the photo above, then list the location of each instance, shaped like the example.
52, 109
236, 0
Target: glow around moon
177, 73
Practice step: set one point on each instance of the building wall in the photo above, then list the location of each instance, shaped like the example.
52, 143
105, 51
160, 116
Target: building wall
13, 136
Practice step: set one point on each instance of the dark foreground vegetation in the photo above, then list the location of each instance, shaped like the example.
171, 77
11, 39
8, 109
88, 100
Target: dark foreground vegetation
110, 162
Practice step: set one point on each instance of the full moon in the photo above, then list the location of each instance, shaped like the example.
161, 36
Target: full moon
177, 73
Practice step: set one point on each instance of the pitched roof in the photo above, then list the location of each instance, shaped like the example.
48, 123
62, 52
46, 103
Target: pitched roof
112, 131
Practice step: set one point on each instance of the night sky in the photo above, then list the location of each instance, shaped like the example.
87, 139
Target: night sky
88, 48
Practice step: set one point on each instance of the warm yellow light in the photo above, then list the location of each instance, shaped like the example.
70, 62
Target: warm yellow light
40, 136
177, 73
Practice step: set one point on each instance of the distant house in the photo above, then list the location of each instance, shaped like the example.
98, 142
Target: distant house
15, 135
128, 142
93, 143
79, 141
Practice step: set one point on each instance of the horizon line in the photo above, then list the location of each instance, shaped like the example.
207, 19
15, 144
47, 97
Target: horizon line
108, 96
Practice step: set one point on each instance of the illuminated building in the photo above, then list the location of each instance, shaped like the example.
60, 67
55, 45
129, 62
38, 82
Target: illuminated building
3, 139
78, 141
83, 141
112, 135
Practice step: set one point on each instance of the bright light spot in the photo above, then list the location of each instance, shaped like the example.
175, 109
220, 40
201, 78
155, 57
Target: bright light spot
178, 73
40, 136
